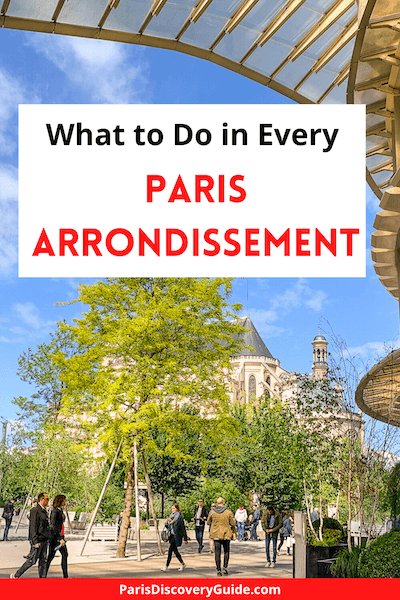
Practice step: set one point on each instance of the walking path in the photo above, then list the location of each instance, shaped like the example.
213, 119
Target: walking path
247, 559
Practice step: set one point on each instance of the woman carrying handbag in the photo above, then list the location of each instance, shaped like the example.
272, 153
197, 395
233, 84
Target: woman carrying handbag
177, 533
57, 539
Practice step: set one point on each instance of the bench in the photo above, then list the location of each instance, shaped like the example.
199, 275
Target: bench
78, 526
324, 567
105, 533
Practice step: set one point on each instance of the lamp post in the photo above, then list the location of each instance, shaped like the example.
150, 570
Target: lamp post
3, 446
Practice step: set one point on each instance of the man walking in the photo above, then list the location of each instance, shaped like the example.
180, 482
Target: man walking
200, 518
39, 533
254, 524
222, 531
7, 515
271, 522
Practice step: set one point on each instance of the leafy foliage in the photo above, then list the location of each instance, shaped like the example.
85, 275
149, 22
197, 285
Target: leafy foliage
39, 369
210, 490
347, 563
381, 558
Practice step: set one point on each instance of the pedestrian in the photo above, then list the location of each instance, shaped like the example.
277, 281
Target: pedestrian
177, 530
210, 540
8, 513
39, 533
200, 518
254, 523
57, 538
271, 522
241, 519
285, 533
222, 531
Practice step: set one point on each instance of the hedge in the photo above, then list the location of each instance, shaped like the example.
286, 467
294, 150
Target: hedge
381, 558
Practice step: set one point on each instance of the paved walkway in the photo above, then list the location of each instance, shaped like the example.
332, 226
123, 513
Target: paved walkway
247, 560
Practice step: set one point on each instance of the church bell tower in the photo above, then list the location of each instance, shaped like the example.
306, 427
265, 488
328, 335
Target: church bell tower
320, 357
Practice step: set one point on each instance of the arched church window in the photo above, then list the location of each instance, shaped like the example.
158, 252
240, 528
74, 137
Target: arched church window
252, 386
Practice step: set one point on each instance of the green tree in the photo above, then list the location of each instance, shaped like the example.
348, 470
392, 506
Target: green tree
393, 493
257, 452
165, 341
38, 368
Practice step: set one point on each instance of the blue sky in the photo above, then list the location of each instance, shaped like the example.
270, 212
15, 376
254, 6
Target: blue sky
287, 312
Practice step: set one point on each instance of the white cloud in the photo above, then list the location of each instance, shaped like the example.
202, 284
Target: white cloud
374, 351
8, 218
23, 323
28, 313
12, 93
264, 321
104, 70
299, 295
316, 300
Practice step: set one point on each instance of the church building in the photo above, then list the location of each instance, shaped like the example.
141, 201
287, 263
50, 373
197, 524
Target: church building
256, 374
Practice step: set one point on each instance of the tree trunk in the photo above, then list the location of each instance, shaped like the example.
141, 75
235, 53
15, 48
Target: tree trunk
137, 511
338, 500
147, 507
308, 508
126, 515
349, 482
151, 503
321, 515
162, 505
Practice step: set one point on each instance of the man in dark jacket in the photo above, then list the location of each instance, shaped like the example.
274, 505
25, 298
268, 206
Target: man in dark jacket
271, 523
39, 533
200, 518
7, 515
254, 523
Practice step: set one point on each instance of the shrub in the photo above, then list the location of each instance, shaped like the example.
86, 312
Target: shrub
332, 533
327, 523
381, 558
347, 563
330, 537
210, 490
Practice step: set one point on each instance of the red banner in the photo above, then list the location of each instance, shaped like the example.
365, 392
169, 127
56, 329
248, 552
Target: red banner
203, 589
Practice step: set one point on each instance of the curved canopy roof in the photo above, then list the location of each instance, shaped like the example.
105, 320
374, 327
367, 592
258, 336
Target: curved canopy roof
302, 48
378, 393
313, 51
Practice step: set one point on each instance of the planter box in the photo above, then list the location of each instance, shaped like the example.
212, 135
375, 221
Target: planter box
314, 556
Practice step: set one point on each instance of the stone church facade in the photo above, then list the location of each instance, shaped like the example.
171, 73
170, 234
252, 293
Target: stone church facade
256, 374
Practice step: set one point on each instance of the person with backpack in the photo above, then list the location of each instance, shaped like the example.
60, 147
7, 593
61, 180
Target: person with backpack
285, 533
7, 515
177, 534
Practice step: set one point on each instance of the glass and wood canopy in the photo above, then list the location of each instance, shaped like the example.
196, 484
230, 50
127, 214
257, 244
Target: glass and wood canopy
313, 51
378, 393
